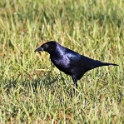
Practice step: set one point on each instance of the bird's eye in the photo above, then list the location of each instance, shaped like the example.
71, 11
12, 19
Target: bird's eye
46, 46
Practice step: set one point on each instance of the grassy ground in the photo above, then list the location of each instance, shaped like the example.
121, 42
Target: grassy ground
32, 90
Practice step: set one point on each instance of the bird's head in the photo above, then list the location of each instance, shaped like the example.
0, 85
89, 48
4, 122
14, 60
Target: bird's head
49, 47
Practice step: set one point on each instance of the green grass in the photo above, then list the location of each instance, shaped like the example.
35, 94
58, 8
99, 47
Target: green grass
29, 94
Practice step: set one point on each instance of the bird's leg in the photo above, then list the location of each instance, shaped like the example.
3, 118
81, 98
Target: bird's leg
75, 81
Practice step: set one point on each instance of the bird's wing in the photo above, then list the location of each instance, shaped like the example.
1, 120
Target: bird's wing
80, 60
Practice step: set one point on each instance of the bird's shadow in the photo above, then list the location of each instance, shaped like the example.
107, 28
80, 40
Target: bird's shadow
43, 81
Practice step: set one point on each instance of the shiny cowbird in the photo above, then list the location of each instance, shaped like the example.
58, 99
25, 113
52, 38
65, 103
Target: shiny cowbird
70, 62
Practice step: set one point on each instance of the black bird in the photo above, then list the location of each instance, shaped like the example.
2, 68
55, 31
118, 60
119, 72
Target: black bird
70, 62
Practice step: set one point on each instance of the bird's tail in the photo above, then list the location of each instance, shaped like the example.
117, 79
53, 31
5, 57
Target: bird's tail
108, 64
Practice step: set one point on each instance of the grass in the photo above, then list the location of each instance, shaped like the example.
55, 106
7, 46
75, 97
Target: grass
32, 90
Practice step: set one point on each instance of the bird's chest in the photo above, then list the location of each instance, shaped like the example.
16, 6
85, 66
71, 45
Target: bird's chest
61, 62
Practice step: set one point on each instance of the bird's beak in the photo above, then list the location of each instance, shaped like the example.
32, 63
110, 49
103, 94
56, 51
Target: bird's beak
39, 49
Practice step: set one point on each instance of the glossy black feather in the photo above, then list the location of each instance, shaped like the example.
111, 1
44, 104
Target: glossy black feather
70, 62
